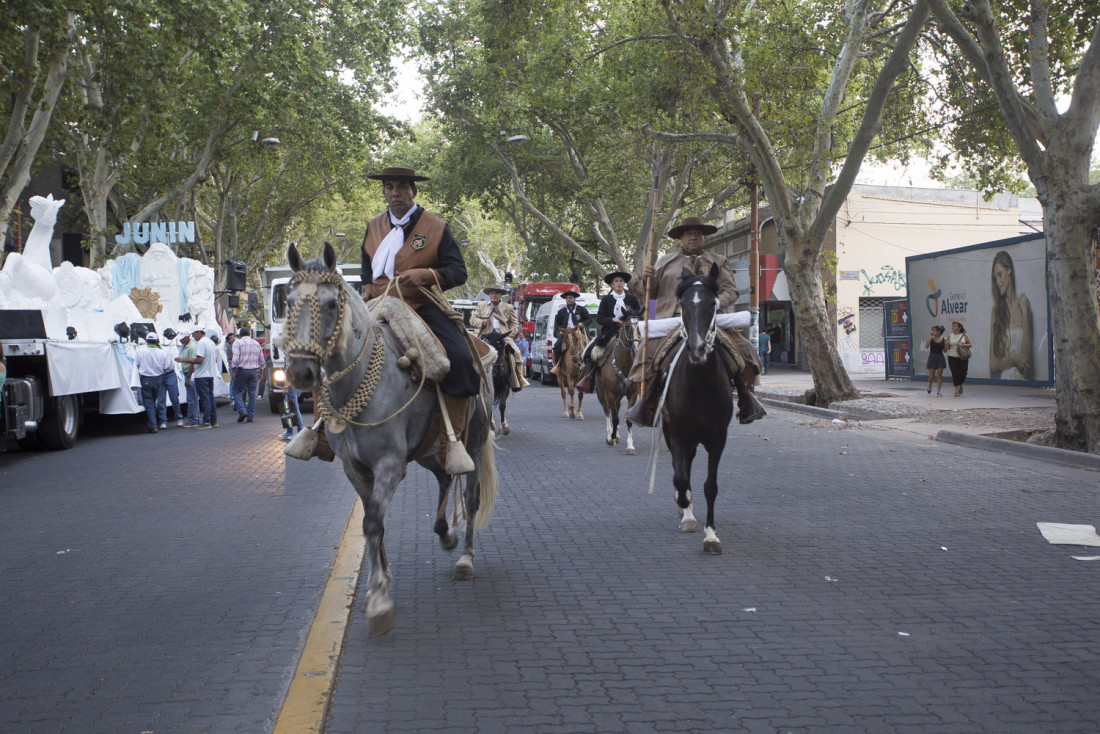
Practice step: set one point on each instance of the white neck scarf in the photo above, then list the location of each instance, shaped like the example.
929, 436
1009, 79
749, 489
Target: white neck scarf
619, 307
382, 262
569, 311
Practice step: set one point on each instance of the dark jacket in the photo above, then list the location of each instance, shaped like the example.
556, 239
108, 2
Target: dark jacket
561, 320
605, 317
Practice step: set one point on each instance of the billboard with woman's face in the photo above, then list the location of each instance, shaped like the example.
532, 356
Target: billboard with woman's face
998, 292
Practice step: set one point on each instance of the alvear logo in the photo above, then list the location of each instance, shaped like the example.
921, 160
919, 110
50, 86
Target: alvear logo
953, 305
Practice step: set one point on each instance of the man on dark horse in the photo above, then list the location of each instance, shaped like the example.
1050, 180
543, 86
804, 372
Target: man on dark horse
566, 321
610, 319
417, 248
666, 276
499, 317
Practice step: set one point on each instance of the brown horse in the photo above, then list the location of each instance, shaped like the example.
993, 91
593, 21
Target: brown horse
570, 371
612, 384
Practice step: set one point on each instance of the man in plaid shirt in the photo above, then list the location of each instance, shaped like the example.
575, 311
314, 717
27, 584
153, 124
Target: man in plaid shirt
248, 362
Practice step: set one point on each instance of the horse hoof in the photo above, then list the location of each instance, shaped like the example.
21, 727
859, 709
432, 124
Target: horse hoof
506, 430
463, 570
631, 452
610, 442
449, 541
580, 416
688, 525
712, 547
381, 623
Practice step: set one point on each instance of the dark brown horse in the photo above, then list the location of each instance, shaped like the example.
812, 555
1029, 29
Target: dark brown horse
612, 384
698, 403
502, 380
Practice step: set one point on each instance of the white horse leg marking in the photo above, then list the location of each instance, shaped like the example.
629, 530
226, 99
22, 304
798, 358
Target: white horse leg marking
629, 439
379, 609
711, 545
610, 428
464, 568
687, 522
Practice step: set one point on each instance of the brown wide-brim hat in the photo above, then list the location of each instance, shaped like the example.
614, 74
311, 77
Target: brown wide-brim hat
617, 274
691, 223
397, 173
496, 287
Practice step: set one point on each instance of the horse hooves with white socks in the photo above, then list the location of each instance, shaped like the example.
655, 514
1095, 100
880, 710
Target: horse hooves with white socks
376, 414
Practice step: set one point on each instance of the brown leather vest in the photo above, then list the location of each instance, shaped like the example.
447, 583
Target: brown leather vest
421, 250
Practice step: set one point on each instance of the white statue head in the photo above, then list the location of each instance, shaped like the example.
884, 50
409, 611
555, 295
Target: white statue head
44, 209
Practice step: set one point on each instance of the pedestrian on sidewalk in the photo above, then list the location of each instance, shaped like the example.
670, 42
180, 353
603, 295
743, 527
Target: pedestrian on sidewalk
152, 362
959, 366
295, 419
248, 361
765, 347
935, 344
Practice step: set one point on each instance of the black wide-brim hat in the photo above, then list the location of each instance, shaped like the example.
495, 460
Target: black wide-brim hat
617, 274
691, 223
397, 173
570, 293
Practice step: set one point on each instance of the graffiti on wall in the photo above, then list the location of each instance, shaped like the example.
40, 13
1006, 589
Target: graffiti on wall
887, 275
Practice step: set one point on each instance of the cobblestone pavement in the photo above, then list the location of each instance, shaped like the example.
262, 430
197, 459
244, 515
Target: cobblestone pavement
871, 581
160, 583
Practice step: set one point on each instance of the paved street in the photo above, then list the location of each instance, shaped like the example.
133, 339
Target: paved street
872, 580
162, 582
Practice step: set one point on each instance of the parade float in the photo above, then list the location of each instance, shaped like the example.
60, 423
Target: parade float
69, 333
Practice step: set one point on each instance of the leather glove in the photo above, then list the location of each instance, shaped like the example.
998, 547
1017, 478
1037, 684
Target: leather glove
424, 277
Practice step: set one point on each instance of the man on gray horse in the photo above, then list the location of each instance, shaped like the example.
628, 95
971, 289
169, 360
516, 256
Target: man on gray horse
407, 244
665, 277
500, 317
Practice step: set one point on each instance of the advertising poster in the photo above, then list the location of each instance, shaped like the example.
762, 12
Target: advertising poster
998, 292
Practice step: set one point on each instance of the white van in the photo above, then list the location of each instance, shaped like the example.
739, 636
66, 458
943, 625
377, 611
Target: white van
542, 343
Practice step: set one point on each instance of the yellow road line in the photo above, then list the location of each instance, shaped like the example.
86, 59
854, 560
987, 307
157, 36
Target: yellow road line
310, 692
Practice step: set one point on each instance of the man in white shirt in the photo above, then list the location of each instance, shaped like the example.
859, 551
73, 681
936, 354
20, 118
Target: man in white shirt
152, 363
206, 369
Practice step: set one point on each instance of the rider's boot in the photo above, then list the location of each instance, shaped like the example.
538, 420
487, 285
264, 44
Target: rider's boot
585, 383
518, 380
644, 410
452, 454
749, 408
554, 371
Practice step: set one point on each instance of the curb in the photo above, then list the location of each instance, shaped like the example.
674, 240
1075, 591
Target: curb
800, 408
1005, 446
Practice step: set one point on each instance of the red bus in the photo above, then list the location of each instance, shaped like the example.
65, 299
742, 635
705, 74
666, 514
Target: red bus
527, 297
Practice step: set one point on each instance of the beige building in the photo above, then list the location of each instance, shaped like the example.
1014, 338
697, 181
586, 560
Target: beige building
876, 229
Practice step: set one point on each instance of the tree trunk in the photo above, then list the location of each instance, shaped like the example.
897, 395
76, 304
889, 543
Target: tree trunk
831, 381
1071, 266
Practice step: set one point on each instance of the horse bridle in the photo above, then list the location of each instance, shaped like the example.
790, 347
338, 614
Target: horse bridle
712, 329
306, 283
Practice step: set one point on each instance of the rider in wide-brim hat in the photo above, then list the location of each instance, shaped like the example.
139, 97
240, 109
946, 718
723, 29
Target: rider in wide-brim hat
691, 223
617, 274
397, 173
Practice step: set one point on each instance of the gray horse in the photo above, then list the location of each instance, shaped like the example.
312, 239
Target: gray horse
378, 417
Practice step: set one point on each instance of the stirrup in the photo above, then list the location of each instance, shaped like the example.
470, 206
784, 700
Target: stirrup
458, 461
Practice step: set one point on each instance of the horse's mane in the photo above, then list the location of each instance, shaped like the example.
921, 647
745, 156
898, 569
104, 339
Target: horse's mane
693, 280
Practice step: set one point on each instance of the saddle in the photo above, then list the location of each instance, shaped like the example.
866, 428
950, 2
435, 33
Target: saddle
410, 331
666, 350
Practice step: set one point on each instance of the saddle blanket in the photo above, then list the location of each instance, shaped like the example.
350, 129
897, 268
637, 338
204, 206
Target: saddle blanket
658, 328
411, 331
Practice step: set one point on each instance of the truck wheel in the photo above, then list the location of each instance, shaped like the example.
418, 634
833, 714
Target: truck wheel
275, 400
60, 423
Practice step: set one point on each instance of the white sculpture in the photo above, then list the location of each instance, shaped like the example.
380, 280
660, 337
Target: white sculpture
44, 212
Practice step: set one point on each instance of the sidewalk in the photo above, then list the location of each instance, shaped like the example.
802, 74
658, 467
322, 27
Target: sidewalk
986, 416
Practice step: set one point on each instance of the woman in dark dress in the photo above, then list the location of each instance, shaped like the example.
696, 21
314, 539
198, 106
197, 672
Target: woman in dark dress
936, 344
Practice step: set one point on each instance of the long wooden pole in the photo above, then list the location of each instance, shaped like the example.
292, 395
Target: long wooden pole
651, 259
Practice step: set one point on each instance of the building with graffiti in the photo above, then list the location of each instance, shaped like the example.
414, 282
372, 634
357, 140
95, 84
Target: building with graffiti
877, 228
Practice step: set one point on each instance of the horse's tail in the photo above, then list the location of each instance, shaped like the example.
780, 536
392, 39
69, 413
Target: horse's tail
487, 482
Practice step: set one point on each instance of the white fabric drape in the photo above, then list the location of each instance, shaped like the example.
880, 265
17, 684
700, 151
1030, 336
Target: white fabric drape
382, 262
619, 307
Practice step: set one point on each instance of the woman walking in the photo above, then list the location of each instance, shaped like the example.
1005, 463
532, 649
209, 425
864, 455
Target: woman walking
935, 343
957, 338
